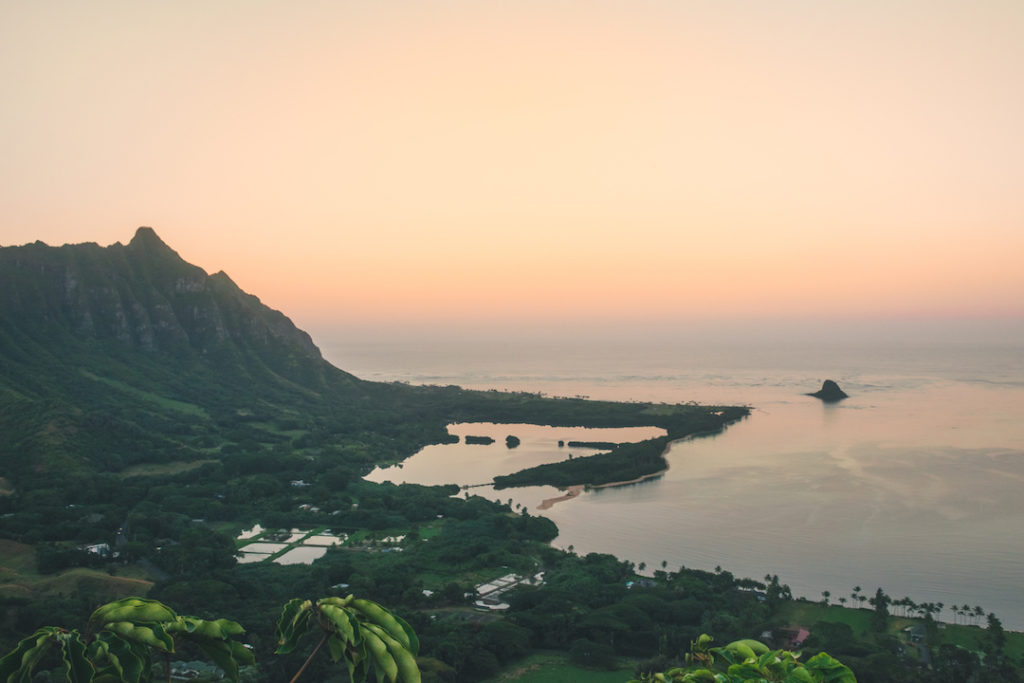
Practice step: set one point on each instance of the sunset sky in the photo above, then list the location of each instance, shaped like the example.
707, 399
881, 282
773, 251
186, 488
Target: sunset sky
534, 161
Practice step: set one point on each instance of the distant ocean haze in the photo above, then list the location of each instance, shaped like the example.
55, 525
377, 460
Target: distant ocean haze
912, 484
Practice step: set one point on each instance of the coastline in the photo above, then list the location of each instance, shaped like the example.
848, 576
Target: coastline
643, 477
570, 493
577, 489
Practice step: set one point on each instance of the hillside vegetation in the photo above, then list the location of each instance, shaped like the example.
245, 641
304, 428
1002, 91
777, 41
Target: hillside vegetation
149, 412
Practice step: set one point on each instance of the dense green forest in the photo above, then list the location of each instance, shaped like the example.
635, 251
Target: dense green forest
149, 412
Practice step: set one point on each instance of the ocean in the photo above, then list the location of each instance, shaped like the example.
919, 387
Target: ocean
913, 484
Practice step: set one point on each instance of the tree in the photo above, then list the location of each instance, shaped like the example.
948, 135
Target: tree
775, 592
880, 618
994, 639
120, 637
367, 637
118, 641
749, 660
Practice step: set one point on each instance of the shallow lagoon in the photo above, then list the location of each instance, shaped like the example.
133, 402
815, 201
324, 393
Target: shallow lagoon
474, 464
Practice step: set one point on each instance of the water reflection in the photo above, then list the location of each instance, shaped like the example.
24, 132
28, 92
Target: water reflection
476, 464
301, 555
914, 488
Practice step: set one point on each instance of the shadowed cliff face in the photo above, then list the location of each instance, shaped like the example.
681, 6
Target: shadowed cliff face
142, 295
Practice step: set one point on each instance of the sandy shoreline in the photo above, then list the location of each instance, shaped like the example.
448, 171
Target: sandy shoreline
570, 493
574, 491
645, 477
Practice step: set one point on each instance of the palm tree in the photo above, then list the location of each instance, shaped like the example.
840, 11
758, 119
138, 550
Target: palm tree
826, 595
842, 601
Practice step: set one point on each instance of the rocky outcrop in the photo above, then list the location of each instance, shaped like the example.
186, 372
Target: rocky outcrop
830, 392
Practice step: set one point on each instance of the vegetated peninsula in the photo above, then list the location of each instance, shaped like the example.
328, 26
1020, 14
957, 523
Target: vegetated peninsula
623, 463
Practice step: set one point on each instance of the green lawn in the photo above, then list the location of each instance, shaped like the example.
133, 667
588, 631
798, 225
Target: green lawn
808, 613
19, 577
555, 668
153, 469
969, 637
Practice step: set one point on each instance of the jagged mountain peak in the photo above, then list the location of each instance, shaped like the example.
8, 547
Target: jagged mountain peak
147, 242
145, 236
142, 295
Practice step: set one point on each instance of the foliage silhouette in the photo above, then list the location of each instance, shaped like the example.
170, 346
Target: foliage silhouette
367, 637
118, 642
120, 637
749, 660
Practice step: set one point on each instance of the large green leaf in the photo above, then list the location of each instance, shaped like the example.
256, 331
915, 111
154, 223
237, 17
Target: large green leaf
227, 654
218, 628
152, 635
17, 665
135, 610
414, 642
342, 621
77, 667
127, 660
293, 624
376, 614
829, 670
407, 670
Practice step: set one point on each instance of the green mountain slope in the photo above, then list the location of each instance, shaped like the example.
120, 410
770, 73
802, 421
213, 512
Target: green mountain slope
116, 356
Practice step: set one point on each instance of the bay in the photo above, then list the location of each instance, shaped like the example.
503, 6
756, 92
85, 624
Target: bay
912, 484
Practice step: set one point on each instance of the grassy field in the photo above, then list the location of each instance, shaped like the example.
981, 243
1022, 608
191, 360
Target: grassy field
19, 577
969, 637
160, 401
162, 469
807, 614
16, 558
555, 668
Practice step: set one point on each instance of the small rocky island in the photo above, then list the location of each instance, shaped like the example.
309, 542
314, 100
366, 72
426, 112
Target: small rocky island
830, 392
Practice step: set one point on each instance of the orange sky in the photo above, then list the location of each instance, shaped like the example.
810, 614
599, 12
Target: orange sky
532, 160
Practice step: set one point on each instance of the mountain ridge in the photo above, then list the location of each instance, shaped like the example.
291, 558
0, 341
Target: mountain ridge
98, 292
116, 356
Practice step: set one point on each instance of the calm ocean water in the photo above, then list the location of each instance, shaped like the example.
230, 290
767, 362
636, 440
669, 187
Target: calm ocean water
913, 484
